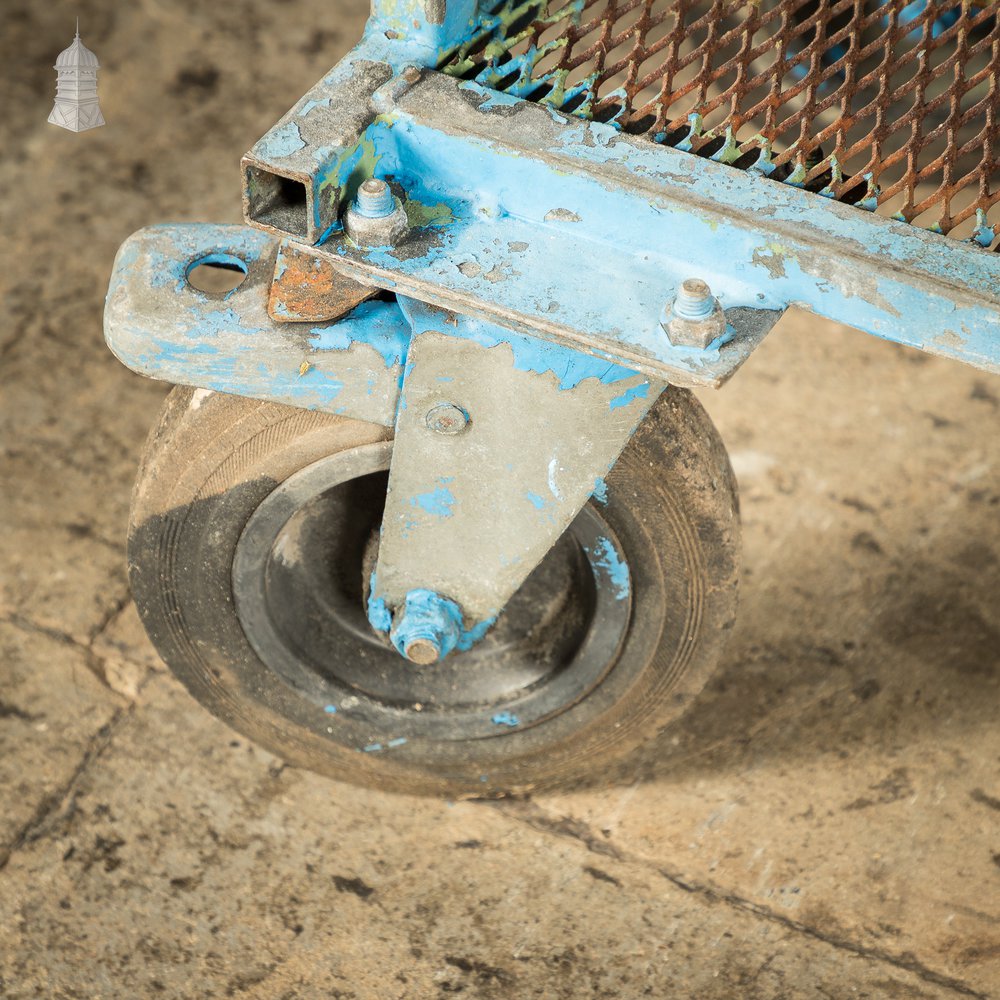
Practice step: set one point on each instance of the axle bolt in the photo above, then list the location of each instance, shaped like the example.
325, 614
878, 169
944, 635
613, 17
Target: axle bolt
423, 652
695, 318
447, 418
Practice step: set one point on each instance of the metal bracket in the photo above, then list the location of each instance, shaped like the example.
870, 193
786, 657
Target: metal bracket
160, 326
500, 440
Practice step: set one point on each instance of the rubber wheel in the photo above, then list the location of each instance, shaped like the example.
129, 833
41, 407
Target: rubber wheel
253, 531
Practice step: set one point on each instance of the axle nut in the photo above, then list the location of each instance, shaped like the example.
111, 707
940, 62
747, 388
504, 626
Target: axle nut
426, 628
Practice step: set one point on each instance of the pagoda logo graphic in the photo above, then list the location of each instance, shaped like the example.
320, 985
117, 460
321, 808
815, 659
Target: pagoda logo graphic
76, 106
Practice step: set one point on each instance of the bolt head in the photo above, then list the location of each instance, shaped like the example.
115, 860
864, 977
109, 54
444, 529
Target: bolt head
447, 418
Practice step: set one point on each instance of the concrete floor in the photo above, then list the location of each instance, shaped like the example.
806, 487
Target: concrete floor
825, 822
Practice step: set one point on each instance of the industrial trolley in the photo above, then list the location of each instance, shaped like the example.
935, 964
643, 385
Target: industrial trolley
436, 509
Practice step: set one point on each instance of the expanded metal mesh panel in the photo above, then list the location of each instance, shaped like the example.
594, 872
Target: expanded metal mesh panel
892, 105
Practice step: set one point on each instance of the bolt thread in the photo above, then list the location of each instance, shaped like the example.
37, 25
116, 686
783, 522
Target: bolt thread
694, 300
374, 199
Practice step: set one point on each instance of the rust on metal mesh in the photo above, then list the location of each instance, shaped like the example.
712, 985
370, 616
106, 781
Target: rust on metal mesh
887, 104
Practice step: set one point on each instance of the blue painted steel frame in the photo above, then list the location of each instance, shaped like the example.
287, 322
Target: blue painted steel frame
579, 200
545, 228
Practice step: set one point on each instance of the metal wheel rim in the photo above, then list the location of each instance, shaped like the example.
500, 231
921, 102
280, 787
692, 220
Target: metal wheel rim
264, 594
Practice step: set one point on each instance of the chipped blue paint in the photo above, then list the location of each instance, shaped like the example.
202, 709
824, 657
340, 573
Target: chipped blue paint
570, 367
493, 99
640, 391
372, 748
419, 31
534, 282
378, 613
162, 327
281, 142
600, 493
216, 322
425, 615
538, 502
397, 742
505, 719
604, 557
330, 709
470, 636
369, 323
437, 502
309, 105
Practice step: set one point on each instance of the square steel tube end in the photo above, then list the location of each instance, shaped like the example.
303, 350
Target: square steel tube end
276, 202
295, 176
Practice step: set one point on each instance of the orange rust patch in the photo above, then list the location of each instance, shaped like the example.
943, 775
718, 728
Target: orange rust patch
308, 289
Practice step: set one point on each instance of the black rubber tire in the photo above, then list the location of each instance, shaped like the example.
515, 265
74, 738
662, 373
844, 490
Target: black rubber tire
211, 461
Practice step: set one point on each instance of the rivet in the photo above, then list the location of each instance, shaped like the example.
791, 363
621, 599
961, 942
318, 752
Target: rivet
447, 418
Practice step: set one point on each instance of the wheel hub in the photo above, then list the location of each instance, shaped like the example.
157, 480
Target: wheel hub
300, 576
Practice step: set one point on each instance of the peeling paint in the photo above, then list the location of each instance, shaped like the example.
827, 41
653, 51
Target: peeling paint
605, 557
640, 391
561, 215
437, 502
505, 719
281, 142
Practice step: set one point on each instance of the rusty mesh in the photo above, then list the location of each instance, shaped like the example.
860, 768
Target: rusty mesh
884, 104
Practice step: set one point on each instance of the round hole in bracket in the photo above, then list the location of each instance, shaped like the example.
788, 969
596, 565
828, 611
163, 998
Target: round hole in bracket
216, 273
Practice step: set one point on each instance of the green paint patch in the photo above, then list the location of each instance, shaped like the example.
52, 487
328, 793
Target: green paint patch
418, 214
346, 173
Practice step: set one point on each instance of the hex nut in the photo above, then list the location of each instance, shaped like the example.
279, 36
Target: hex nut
377, 231
697, 333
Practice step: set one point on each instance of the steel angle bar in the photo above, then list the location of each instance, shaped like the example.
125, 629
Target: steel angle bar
580, 234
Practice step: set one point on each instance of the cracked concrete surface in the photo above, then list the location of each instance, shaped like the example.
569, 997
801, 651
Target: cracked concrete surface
825, 822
